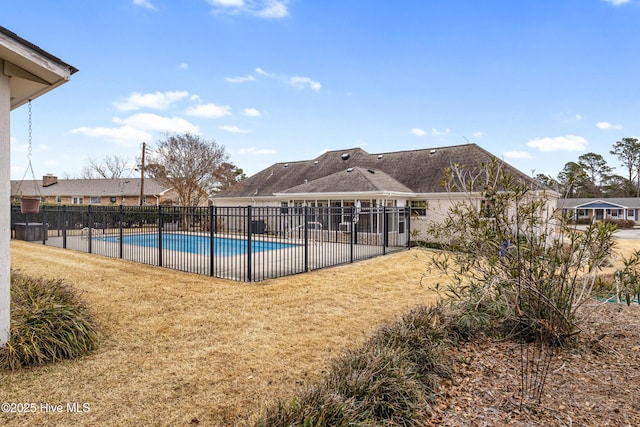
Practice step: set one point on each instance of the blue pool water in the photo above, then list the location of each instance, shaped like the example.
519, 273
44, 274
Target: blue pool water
198, 244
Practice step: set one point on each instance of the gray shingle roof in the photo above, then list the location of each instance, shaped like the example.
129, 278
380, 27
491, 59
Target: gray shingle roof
623, 202
416, 171
87, 187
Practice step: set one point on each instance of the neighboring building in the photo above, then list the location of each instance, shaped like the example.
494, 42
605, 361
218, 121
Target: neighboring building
123, 191
353, 177
601, 209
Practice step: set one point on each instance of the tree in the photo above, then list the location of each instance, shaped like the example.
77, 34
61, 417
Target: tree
110, 167
547, 180
573, 180
189, 164
628, 152
229, 175
596, 169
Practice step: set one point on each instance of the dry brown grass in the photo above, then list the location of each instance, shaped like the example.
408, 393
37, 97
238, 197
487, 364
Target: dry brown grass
180, 348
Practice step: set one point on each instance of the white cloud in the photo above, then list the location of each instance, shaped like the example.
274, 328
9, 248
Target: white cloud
155, 101
240, 79
154, 122
607, 125
210, 111
559, 143
233, 129
418, 132
256, 151
478, 134
144, 3
267, 9
440, 132
517, 155
227, 3
127, 136
617, 2
252, 112
303, 82
273, 9
263, 72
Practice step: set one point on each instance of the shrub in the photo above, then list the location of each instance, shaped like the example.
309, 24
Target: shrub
515, 265
49, 323
621, 223
390, 380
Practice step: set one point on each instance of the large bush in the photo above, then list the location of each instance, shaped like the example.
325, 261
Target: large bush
49, 323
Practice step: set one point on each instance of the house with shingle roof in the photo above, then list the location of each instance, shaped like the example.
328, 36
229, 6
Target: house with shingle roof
353, 177
593, 209
123, 191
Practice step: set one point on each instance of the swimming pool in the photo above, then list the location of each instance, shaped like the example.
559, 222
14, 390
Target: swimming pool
197, 244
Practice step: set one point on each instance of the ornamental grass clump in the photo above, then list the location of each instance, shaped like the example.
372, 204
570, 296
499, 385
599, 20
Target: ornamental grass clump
390, 380
49, 323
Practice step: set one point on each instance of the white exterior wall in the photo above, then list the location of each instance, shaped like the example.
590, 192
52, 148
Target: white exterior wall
5, 213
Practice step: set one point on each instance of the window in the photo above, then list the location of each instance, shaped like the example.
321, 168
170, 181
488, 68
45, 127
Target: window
58, 199
95, 200
112, 199
77, 200
419, 208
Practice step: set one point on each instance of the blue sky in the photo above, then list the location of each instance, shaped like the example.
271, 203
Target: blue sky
537, 83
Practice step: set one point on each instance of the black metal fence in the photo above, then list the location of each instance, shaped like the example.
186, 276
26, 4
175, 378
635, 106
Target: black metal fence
239, 243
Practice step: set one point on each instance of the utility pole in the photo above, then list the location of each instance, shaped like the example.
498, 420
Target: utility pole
144, 148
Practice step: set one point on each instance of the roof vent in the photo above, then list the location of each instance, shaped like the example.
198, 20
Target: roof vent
315, 163
346, 156
371, 171
350, 170
432, 152
286, 165
379, 156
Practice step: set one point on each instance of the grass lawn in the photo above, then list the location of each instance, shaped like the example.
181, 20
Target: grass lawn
180, 349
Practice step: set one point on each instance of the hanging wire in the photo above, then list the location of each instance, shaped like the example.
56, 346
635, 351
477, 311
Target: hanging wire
29, 166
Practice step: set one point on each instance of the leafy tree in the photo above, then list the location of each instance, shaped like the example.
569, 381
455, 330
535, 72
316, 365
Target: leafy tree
188, 163
547, 181
628, 152
573, 180
229, 175
110, 167
596, 169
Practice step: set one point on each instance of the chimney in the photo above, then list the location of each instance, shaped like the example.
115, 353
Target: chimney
48, 180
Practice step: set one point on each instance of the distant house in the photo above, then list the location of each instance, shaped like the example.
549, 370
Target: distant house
124, 191
600, 209
353, 177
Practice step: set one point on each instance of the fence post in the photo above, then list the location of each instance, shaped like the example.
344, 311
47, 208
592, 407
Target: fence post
120, 231
306, 238
45, 227
64, 226
352, 229
212, 217
407, 212
160, 225
249, 230
89, 234
385, 230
